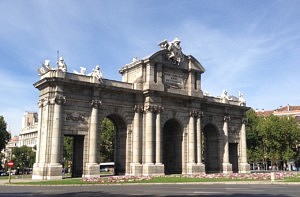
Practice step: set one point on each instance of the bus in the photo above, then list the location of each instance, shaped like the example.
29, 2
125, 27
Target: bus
107, 167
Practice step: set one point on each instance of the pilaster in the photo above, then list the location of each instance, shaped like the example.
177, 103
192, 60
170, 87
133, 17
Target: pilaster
227, 167
244, 167
136, 166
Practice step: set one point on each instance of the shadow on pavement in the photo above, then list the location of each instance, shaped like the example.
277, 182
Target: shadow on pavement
105, 194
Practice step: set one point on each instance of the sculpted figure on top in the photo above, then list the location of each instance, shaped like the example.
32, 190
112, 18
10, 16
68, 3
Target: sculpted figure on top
96, 73
61, 65
174, 50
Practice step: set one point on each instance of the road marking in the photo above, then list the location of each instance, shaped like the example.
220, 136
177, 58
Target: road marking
206, 192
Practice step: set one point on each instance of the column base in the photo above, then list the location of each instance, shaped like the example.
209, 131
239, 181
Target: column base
193, 168
91, 170
136, 169
153, 169
160, 169
42, 171
244, 168
227, 168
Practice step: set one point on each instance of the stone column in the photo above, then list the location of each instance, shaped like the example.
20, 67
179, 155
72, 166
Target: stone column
58, 100
54, 166
136, 166
244, 167
92, 168
191, 139
199, 139
200, 166
158, 142
227, 167
158, 136
148, 166
149, 135
191, 162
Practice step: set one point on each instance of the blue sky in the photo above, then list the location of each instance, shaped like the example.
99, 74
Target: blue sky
249, 46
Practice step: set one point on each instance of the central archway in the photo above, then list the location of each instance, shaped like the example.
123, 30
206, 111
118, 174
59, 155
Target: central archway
172, 152
211, 149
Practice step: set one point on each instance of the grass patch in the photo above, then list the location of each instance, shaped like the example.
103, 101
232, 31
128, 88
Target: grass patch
292, 179
68, 181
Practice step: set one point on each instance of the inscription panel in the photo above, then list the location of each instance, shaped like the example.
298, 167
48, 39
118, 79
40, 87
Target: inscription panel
174, 80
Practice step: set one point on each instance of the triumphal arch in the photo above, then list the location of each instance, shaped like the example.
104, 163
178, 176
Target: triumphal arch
164, 122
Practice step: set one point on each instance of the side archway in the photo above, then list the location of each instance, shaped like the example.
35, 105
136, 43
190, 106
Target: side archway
172, 147
119, 144
211, 149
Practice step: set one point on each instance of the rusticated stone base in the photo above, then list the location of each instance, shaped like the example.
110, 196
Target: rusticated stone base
193, 168
136, 169
52, 171
227, 168
91, 170
244, 168
153, 169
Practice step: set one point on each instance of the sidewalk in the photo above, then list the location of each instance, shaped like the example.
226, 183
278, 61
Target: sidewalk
16, 180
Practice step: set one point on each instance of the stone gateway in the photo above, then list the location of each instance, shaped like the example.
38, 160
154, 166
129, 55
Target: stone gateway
164, 124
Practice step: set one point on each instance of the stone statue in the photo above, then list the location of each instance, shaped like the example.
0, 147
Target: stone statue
45, 67
96, 73
82, 71
61, 65
174, 50
224, 97
242, 100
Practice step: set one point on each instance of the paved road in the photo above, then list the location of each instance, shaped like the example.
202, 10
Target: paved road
168, 190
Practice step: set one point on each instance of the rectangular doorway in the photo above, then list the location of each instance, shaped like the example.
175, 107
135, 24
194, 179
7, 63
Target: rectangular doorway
233, 157
73, 155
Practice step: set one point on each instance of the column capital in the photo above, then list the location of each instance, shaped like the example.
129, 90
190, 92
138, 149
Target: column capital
60, 99
96, 103
200, 114
138, 109
149, 108
43, 102
57, 99
226, 118
196, 114
159, 109
244, 120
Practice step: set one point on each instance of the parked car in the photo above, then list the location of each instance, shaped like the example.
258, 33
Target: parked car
4, 174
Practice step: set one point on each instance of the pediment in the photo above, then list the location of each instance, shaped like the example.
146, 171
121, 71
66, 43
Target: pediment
188, 62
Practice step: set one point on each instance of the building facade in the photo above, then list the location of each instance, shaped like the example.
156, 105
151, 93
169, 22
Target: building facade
164, 124
29, 131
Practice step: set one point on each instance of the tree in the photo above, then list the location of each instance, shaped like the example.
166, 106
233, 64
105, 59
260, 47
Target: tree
107, 141
272, 138
2, 156
254, 140
4, 135
23, 157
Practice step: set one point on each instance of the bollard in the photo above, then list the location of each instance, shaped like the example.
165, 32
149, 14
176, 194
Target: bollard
272, 176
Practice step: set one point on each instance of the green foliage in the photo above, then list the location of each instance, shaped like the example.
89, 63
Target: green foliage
68, 151
271, 138
23, 157
107, 141
4, 135
2, 156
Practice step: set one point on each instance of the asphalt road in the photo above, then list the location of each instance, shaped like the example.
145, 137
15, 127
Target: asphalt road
217, 190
